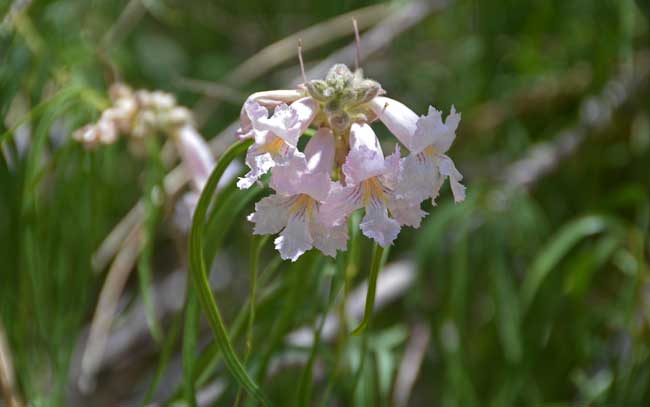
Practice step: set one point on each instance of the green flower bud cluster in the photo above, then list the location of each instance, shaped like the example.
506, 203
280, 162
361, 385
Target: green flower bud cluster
342, 93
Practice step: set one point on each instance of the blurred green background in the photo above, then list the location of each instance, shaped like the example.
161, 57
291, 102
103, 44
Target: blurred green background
535, 291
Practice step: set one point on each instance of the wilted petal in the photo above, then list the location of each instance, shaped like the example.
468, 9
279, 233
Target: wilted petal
448, 169
196, 155
397, 117
365, 158
294, 239
329, 239
271, 214
378, 226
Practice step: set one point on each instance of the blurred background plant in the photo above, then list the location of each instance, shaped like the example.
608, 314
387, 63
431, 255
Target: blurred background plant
535, 290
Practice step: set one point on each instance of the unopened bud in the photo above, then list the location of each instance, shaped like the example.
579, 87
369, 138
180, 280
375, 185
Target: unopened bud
119, 91
319, 90
339, 76
179, 116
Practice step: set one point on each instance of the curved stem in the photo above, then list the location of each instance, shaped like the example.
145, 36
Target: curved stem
198, 271
375, 267
256, 248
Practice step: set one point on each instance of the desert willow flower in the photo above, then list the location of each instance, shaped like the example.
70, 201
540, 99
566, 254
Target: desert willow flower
390, 189
140, 114
302, 185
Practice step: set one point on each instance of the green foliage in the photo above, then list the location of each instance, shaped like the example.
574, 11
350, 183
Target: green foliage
534, 296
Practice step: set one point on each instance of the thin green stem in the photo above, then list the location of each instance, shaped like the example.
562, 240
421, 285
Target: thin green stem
198, 270
375, 267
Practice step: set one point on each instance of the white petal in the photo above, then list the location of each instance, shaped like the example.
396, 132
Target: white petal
294, 178
436, 187
431, 131
365, 158
330, 239
390, 177
259, 164
254, 112
271, 214
417, 175
340, 203
397, 117
294, 239
319, 151
283, 123
448, 169
406, 213
306, 109
378, 226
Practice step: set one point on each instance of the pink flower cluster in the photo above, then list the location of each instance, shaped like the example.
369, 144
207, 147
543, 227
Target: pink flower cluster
342, 167
139, 114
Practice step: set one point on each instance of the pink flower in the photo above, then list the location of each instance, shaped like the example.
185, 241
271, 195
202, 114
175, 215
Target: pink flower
369, 183
294, 211
195, 154
276, 137
427, 138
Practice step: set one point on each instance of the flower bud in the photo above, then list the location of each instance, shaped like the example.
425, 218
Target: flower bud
179, 116
119, 91
319, 90
339, 77
367, 90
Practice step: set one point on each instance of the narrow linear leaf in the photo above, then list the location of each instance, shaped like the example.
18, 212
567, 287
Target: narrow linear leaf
190, 341
200, 276
556, 249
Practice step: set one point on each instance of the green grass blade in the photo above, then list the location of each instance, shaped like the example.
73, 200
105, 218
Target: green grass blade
190, 341
554, 251
200, 276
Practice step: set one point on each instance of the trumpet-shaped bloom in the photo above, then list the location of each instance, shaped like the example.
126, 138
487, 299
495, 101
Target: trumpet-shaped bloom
370, 180
276, 137
294, 211
427, 138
